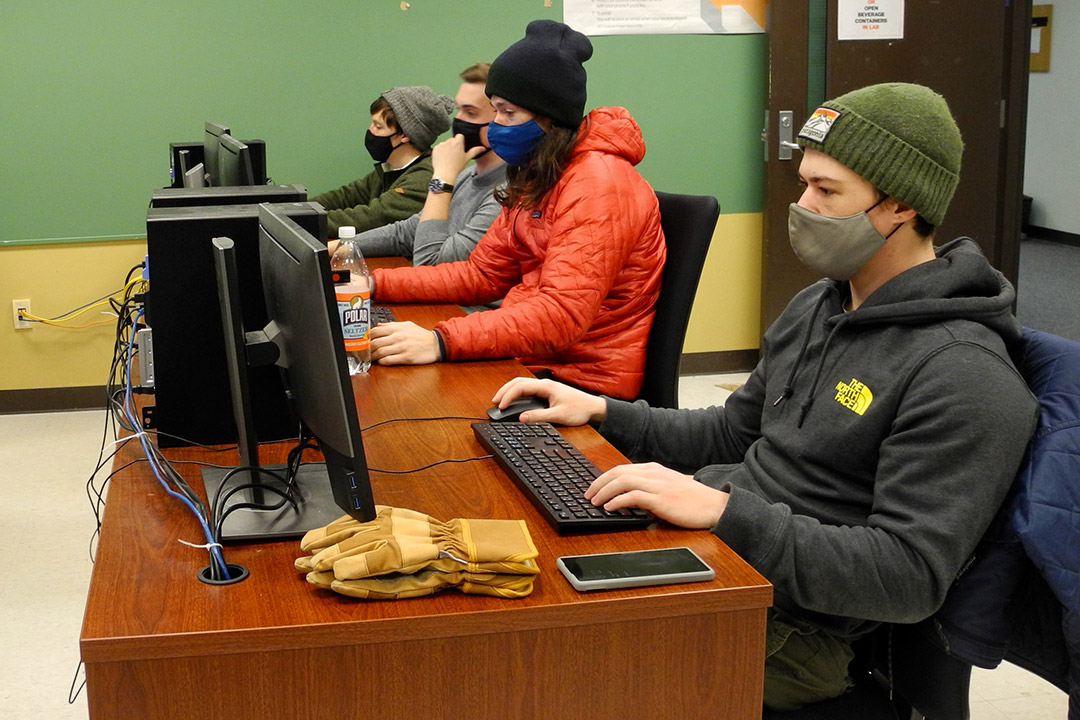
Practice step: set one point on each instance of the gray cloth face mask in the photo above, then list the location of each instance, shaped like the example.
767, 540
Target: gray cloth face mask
834, 247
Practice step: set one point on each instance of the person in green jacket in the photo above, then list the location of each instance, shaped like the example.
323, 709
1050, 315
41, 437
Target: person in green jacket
404, 123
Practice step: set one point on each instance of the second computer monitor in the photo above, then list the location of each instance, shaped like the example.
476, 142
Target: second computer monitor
211, 147
303, 337
234, 163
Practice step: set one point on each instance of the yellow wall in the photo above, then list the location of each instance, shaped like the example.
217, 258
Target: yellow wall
56, 279
727, 308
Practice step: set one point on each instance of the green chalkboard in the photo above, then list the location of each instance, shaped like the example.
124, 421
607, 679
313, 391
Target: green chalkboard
91, 95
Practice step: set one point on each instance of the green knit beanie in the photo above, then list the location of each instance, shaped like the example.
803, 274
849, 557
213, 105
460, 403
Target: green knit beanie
899, 137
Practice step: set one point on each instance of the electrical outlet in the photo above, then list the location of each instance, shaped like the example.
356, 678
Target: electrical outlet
16, 306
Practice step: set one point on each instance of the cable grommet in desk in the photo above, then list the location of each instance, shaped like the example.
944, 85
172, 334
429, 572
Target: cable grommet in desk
236, 574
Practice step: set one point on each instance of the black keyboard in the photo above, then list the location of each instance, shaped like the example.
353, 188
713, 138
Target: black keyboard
381, 314
554, 475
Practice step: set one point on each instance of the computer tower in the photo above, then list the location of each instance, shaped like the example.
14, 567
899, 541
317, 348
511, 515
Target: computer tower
228, 195
192, 400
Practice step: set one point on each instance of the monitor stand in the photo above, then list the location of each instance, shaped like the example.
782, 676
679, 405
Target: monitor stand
315, 506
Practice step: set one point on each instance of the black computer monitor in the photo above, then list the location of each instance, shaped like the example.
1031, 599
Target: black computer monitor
211, 147
194, 152
303, 337
193, 175
191, 383
234, 163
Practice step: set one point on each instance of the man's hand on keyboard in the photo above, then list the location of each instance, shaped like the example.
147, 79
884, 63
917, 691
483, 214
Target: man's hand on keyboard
667, 494
566, 405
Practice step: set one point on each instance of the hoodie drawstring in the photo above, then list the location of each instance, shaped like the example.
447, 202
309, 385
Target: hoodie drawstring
805, 408
789, 386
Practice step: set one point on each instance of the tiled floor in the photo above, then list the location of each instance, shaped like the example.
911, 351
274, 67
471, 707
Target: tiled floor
46, 526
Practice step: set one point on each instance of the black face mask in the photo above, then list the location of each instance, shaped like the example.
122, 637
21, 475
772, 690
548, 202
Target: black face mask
471, 133
380, 146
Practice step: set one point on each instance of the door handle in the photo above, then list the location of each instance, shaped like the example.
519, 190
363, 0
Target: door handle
786, 125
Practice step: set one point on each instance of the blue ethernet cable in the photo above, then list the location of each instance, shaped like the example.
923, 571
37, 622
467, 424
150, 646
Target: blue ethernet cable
215, 551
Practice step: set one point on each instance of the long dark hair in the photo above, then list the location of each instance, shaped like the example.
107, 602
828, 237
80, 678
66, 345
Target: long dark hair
526, 186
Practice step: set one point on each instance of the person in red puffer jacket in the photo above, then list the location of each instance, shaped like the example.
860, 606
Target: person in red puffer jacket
577, 252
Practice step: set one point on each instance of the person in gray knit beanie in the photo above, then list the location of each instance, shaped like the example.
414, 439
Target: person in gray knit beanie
404, 123
421, 114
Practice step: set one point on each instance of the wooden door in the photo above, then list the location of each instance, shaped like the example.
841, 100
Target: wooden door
972, 52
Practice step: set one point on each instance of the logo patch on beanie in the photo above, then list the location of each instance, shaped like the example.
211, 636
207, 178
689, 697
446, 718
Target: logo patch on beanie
818, 125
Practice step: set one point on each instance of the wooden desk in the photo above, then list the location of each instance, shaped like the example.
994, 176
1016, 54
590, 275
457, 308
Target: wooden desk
159, 644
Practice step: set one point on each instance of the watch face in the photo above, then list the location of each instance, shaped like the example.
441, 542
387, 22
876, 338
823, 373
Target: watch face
438, 186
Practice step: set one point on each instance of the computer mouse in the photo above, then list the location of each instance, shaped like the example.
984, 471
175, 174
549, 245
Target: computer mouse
511, 412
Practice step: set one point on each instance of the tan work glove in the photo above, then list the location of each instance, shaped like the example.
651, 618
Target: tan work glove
404, 541
395, 586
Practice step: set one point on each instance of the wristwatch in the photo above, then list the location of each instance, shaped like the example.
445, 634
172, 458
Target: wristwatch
438, 186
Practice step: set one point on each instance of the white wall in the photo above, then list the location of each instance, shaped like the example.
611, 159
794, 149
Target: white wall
1052, 165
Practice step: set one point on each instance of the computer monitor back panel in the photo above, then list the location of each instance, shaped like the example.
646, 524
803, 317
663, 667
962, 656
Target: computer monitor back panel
191, 395
238, 195
256, 147
211, 144
301, 304
317, 372
234, 162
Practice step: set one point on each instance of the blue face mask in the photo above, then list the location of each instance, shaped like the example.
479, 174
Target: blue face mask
515, 143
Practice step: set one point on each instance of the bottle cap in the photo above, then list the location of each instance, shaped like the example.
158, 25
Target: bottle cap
346, 232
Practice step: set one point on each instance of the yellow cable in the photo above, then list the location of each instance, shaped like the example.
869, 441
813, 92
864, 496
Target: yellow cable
103, 300
50, 323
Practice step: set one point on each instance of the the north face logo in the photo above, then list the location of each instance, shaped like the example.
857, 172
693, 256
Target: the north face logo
855, 396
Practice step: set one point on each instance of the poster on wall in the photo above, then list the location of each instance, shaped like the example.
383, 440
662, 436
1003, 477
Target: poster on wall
870, 20
665, 17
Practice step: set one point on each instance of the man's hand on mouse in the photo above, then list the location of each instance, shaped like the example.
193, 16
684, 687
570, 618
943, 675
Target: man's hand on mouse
567, 406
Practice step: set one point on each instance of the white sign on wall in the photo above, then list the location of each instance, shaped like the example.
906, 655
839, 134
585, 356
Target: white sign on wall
870, 20
649, 17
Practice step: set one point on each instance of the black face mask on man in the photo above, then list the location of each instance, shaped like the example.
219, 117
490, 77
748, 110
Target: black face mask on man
380, 146
471, 132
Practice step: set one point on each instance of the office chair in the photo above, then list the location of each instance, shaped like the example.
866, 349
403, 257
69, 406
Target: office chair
926, 682
688, 222
1019, 600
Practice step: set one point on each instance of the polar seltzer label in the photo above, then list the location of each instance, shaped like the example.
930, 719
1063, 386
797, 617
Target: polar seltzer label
354, 309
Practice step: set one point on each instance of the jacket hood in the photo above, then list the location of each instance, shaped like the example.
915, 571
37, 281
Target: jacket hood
959, 284
610, 130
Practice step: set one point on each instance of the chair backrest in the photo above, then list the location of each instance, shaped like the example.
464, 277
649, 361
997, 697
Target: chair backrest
688, 222
1003, 606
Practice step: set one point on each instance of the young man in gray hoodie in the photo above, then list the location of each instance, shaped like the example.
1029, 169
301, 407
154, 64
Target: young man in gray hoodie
875, 440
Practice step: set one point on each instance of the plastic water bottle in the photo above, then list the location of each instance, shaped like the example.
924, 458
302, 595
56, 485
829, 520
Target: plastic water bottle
353, 301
